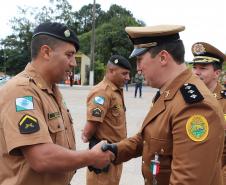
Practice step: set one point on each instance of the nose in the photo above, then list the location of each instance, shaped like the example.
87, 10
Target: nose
127, 77
196, 71
73, 62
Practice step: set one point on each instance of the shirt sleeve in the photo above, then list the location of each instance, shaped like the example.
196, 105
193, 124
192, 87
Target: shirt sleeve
197, 145
129, 148
23, 120
97, 106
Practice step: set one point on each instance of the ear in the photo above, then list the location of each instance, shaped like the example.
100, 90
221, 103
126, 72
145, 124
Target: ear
217, 72
45, 51
163, 55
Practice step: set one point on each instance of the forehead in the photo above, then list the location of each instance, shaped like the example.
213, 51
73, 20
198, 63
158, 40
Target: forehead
202, 65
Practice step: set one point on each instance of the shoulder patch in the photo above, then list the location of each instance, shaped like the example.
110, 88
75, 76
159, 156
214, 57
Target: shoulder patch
28, 124
99, 100
24, 103
96, 112
190, 93
197, 128
223, 93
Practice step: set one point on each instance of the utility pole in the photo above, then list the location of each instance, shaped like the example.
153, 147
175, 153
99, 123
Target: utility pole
91, 74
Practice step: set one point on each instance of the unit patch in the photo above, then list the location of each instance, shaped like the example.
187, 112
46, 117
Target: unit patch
96, 112
24, 103
53, 115
28, 124
197, 128
190, 93
99, 100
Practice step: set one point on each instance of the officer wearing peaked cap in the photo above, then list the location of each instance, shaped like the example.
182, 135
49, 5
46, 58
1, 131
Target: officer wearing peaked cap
207, 64
106, 119
37, 135
185, 120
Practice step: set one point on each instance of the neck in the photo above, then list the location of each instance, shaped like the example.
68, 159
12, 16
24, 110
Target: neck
42, 72
171, 73
212, 86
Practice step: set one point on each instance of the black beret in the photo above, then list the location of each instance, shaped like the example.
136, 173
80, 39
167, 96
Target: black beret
57, 30
120, 61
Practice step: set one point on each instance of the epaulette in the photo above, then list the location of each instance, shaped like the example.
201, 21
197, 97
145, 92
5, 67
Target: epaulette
223, 93
190, 93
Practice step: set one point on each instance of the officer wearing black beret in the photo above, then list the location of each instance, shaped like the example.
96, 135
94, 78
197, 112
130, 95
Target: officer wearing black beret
181, 139
37, 134
106, 119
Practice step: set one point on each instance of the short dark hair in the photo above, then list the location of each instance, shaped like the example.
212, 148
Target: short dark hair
217, 65
175, 48
40, 40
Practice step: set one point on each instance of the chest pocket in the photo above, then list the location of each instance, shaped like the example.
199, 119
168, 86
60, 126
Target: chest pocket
116, 110
56, 129
163, 148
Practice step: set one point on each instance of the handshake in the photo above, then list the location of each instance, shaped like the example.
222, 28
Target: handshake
105, 147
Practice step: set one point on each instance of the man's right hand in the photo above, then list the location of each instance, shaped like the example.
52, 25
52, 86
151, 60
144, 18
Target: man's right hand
100, 158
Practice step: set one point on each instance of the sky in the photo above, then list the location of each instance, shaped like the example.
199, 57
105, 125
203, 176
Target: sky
204, 20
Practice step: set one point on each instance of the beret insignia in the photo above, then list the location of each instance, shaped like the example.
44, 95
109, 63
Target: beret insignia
67, 33
191, 94
223, 93
116, 61
28, 124
96, 112
197, 128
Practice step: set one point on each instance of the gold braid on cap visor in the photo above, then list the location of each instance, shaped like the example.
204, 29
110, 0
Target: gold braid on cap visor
205, 59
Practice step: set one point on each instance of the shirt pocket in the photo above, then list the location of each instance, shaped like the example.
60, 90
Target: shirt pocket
56, 129
163, 148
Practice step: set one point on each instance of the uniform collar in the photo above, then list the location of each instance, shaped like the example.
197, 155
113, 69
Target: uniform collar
38, 79
169, 90
217, 91
112, 85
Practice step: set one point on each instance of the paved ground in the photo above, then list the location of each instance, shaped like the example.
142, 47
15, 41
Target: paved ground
75, 98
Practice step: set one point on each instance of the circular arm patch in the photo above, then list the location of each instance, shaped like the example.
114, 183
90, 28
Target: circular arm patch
197, 128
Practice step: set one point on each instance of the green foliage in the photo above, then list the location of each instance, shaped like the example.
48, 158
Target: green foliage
99, 69
110, 33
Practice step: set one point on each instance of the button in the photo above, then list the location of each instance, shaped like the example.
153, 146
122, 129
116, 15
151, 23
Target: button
143, 161
58, 126
162, 150
144, 142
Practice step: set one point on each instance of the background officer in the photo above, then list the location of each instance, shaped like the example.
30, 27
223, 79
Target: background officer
37, 142
106, 118
207, 64
181, 139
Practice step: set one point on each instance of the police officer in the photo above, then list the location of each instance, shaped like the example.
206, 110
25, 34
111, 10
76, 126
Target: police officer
37, 141
207, 64
181, 139
106, 118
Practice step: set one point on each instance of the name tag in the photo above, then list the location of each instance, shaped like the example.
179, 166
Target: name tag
53, 115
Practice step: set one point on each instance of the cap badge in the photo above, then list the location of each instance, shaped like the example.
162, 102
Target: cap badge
67, 33
199, 49
116, 61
